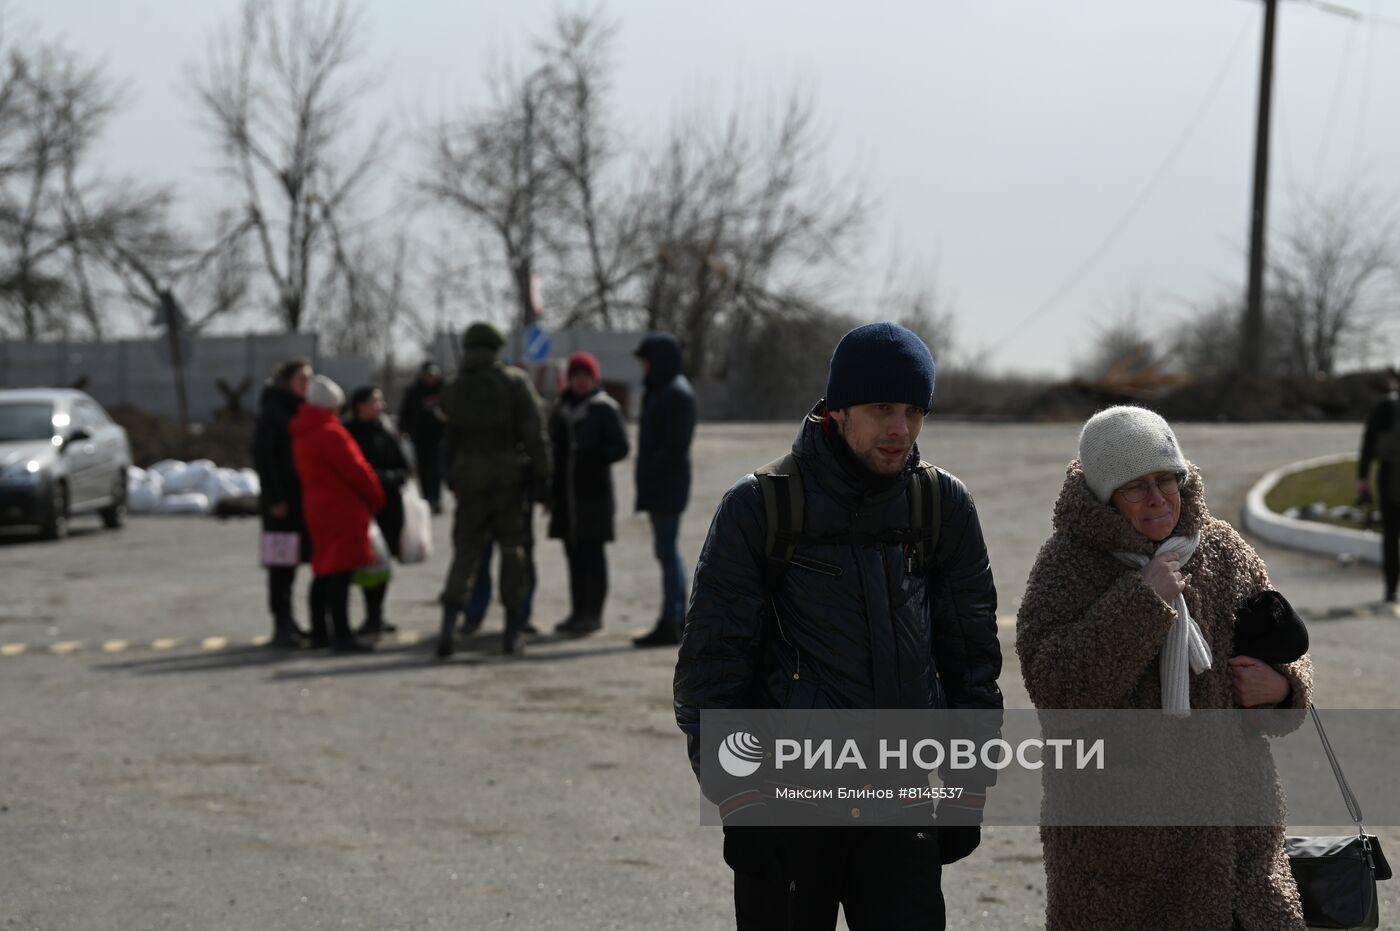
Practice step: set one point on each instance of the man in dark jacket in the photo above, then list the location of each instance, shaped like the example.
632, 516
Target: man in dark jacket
499, 452
864, 627
420, 419
1381, 443
280, 498
663, 473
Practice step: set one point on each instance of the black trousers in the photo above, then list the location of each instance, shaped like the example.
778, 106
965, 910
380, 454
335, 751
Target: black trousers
280, 580
588, 577
429, 469
374, 602
1390, 545
330, 596
886, 878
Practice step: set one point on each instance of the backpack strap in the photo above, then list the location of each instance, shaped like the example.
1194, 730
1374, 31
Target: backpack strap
925, 516
784, 506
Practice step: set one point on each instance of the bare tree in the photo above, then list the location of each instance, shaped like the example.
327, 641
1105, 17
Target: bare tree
490, 165
1330, 277
739, 227
53, 107
1128, 344
583, 144
279, 92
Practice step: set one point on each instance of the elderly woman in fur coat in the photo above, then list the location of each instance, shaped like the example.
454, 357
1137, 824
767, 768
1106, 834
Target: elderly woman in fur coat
1131, 605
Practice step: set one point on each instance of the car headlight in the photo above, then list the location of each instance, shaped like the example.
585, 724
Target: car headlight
23, 473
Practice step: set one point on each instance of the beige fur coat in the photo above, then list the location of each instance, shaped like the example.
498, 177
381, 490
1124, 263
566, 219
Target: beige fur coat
1088, 636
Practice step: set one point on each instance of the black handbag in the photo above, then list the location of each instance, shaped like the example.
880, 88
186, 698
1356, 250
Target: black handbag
1336, 876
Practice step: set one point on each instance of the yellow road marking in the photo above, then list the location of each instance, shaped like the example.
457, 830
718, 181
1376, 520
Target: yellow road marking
66, 646
262, 640
214, 643
115, 646
12, 649
408, 637
165, 643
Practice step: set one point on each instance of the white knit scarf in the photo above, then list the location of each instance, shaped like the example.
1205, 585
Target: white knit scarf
1185, 646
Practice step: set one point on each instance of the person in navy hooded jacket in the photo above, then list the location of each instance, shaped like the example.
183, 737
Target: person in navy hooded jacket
666, 429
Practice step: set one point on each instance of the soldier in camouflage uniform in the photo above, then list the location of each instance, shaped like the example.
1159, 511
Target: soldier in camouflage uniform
499, 466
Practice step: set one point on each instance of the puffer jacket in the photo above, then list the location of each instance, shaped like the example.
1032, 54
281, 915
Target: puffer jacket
341, 491
865, 633
665, 429
1088, 635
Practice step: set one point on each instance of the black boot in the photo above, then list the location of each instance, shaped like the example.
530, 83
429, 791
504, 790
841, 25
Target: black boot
344, 640
286, 635
664, 634
514, 643
580, 625
447, 631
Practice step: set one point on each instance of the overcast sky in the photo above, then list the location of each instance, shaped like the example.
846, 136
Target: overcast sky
1005, 140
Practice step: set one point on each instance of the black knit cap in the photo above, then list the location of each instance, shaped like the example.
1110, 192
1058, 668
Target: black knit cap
880, 362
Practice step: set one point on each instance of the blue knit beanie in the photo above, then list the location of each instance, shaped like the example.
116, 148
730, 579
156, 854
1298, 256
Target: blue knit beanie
880, 362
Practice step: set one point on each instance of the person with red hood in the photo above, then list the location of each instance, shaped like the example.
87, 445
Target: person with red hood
340, 495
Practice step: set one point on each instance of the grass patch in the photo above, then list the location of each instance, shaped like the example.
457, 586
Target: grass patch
1330, 484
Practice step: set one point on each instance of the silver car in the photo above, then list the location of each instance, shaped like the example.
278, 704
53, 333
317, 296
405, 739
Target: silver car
60, 455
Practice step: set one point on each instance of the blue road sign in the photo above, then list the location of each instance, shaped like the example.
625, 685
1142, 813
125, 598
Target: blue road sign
537, 343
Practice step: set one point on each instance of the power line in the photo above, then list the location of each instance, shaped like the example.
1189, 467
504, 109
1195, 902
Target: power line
1334, 106
1137, 203
1363, 105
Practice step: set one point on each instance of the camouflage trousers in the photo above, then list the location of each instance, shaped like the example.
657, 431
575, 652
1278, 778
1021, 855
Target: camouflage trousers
504, 516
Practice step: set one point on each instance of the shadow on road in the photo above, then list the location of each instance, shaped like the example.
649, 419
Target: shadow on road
389, 658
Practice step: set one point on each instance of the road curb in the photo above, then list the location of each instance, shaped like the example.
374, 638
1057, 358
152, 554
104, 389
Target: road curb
1308, 536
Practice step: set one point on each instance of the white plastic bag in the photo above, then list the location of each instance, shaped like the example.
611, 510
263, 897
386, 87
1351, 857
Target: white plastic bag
416, 539
378, 571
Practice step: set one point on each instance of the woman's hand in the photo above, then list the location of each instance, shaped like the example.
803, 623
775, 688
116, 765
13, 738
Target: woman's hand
1257, 683
1163, 574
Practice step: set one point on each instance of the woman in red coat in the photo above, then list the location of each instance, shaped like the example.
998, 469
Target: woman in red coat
340, 495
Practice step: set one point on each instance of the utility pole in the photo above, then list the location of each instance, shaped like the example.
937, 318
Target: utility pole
1252, 337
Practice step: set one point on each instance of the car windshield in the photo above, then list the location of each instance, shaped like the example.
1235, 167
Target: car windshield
26, 420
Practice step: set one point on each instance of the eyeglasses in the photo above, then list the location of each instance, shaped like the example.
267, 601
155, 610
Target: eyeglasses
1133, 492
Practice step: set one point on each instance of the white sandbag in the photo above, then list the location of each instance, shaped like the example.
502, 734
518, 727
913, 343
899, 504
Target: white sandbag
167, 467
143, 490
248, 483
221, 484
194, 477
189, 502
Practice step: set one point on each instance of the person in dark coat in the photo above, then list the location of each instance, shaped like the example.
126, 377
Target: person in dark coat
280, 498
588, 435
663, 473
421, 420
383, 452
341, 497
1381, 442
849, 625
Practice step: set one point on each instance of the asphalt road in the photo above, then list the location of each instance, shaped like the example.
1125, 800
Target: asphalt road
162, 773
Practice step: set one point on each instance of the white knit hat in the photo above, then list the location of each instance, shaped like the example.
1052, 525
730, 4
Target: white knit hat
325, 393
1123, 443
